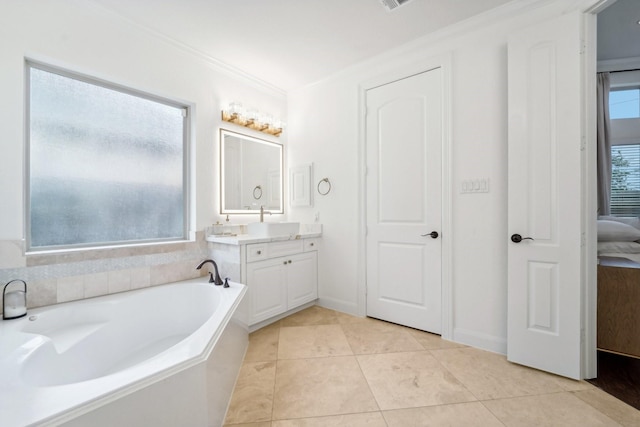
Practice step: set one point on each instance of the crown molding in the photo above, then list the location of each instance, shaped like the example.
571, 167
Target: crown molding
211, 61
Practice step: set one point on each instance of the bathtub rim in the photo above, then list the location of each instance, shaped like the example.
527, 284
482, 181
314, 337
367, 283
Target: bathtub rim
73, 411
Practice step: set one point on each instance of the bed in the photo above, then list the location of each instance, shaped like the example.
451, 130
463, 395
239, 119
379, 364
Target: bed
619, 285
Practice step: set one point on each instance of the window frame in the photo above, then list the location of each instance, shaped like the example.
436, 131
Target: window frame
186, 162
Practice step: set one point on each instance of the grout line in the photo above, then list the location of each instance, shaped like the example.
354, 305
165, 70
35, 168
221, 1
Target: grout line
368, 384
275, 377
452, 374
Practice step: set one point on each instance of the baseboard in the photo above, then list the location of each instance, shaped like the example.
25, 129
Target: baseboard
480, 340
338, 305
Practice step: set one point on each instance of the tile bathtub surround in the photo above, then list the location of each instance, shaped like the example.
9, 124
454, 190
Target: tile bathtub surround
320, 367
62, 277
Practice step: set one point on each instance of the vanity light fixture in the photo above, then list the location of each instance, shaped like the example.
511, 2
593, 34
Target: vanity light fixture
252, 119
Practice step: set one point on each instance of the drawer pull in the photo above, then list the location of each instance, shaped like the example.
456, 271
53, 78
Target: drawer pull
311, 244
259, 252
289, 261
285, 263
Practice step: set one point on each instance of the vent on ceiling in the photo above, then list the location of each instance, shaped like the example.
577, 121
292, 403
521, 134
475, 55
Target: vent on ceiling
393, 4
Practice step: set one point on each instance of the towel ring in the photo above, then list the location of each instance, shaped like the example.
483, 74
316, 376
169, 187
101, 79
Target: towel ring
257, 192
328, 188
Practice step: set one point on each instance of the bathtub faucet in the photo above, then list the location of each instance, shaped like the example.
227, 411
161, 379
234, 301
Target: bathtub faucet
217, 281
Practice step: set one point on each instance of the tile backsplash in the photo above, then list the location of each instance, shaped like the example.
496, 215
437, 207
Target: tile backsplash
61, 277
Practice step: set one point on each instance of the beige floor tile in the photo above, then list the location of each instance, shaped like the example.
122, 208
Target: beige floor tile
432, 341
490, 376
615, 409
366, 419
263, 344
319, 387
472, 414
374, 336
252, 399
553, 410
313, 315
568, 384
298, 342
416, 387
411, 379
349, 318
264, 424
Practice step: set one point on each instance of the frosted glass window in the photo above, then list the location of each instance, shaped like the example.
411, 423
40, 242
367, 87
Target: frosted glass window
106, 165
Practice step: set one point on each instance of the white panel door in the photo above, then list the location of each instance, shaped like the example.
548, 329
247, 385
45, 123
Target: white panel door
404, 201
544, 268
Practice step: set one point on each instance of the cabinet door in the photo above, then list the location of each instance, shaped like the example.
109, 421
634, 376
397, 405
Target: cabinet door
302, 278
267, 284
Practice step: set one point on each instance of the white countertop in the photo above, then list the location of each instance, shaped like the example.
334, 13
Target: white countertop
246, 239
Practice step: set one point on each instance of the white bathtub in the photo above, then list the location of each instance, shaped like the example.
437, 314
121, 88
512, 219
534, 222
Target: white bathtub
166, 355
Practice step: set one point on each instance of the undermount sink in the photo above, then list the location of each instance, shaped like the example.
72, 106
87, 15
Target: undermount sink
273, 229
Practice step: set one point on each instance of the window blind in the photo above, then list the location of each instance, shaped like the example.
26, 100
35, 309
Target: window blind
625, 180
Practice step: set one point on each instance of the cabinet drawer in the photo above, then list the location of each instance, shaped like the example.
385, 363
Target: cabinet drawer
288, 247
257, 252
311, 244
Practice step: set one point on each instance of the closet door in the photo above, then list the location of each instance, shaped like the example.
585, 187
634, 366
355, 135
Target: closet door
404, 201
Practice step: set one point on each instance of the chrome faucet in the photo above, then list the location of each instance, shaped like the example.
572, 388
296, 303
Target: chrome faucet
262, 212
217, 281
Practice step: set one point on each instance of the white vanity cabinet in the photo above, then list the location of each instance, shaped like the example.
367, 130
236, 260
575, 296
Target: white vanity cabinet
280, 276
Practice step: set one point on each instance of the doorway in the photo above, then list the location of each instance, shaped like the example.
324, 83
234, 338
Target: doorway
618, 50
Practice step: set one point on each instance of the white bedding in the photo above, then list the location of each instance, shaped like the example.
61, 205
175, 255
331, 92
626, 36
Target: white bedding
632, 257
618, 237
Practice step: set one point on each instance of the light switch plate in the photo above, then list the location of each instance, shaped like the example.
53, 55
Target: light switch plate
477, 185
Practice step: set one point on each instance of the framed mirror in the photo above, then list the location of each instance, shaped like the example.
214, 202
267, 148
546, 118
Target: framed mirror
250, 174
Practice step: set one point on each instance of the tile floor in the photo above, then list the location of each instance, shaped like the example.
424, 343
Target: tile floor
320, 367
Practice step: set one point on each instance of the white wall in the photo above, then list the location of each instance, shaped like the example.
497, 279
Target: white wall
82, 37
325, 129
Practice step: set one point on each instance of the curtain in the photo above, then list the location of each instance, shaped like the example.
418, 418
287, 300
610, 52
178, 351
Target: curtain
604, 145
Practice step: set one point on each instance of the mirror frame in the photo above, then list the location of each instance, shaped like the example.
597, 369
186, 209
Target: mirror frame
280, 147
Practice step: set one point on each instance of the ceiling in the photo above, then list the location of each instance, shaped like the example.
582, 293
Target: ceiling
619, 31
292, 43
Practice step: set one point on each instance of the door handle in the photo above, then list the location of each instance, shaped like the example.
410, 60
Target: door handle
516, 238
433, 234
